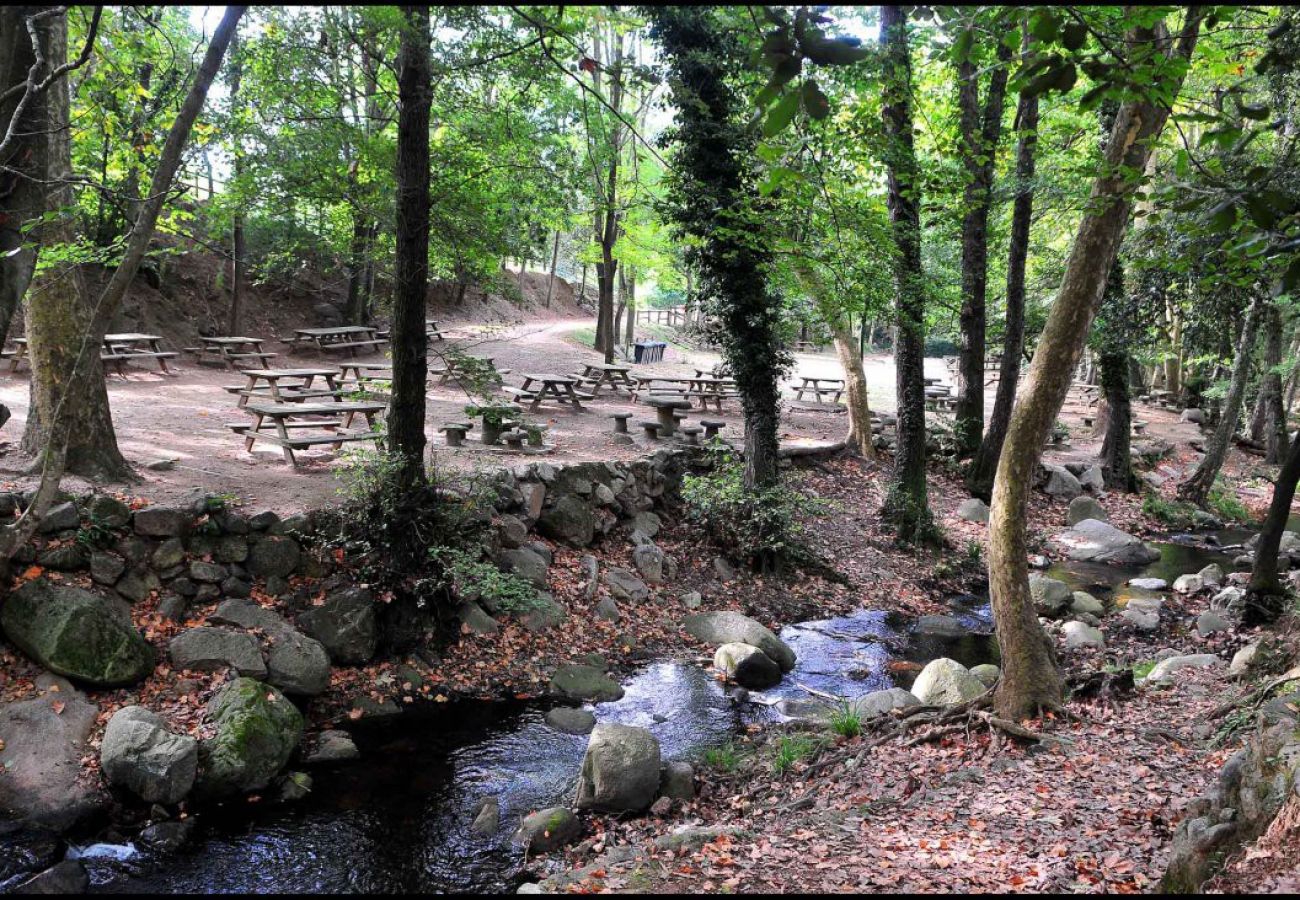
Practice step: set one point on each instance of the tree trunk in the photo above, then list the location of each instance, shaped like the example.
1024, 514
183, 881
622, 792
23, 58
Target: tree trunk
631, 307
1030, 680
239, 250
64, 337
980, 135
409, 341
907, 505
1196, 488
980, 479
1265, 596
1275, 429
356, 312
1116, 462
550, 281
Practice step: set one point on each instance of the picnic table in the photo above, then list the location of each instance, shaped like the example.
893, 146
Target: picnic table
707, 387
365, 372
834, 386
645, 384
265, 384
664, 409
561, 388
455, 370
615, 376
345, 337
274, 421
231, 351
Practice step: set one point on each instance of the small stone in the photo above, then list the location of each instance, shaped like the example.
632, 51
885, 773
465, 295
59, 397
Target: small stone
61, 517
487, 819
161, 465
547, 830
723, 569
625, 585
1210, 622
692, 600
1243, 659
747, 665
1149, 584
973, 510
1079, 636
661, 807
607, 609
1188, 584
1082, 508
105, 568
571, 720
1083, 602
1146, 621
944, 682
578, 682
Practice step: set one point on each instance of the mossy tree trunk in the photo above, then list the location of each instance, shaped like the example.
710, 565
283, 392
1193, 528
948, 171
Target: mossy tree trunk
1030, 680
907, 506
1265, 597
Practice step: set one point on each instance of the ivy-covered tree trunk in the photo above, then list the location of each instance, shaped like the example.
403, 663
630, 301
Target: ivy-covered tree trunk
980, 134
1197, 487
714, 200
1116, 461
907, 505
1030, 680
21, 198
409, 340
979, 481
1266, 599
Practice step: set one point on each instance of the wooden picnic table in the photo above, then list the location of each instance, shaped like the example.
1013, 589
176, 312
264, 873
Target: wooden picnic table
708, 387
344, 337
453, 371
265, 384
835, 386
274, 421
561, 388
232, 351
372, 371
119, 348
600, 374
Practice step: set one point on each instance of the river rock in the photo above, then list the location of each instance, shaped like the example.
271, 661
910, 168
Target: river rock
624, 585
1079, 636
1092, 480
44, 739
1084, 508
345, 624
160, 521
274, 556
67, 877
295, 663
206, 649
1188, 584
1096, 541
973, 510
747, 665
1060, 483
570, 720
1167, 669
945, 682
332, 746
1212, 575
547, 830
1210, 622
581, 682
1081, 602
620, 771
1230, 598
945, 627
677, 781
649, 561
1243, 659
571, 520
1141, 619
75, 633
141, 755
1051, 597
732, 627
987, 673
1149, 584
167, 837
257, 729
525, 563
692, 600
487, 818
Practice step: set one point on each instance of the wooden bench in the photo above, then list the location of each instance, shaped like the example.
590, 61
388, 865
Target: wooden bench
519, 394
351, 345
284, 417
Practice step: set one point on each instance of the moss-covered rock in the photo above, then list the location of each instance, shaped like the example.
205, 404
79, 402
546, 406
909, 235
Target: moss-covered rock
75, 633
257, 731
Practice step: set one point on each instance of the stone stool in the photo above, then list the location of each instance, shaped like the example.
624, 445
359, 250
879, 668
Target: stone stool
690, 434
514, 438
651, 430
620, 421
455, 432
711, 428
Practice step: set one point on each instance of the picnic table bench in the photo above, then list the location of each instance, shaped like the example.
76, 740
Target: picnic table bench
231, 351
834, 386
646, 385
706, 387
274, 421
560, 388
265, 384
596, 375
347, 337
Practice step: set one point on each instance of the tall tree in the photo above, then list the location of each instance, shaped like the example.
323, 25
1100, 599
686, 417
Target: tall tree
1266, 598
981, 131
238, 244
409, 340
714, 203
979, 480
907, 505
1030, 680
1197, 486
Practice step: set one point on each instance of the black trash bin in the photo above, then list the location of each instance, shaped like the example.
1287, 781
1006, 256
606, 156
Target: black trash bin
648, 351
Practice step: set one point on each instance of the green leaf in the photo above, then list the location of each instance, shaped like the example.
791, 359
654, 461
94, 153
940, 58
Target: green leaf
815, 103
781, 114
1223, 216
1043, 25
1074, 36
961, 46
1261, 213
1291, 278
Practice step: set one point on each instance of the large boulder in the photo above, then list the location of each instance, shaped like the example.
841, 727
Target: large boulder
732, 627
141, 755
75, 633
625, 585
42, 741
945, 682
1084, 508
581, 682
524, 562
747, 665
973, 510
295, 663
205, 649
1095, 541
257, 729
1080, 636
274, 556
345, 623
1167, 669
571, 520
620, 771
1061, 483
1051, 597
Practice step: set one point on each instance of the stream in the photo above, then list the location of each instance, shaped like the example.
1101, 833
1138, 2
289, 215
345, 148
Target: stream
397, 820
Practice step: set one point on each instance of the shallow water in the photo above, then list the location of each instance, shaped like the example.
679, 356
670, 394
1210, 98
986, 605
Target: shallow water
398, 819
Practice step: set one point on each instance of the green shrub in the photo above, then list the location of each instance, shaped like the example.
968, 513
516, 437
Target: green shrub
726, 757
465, 573
845, 720
789, 749
1224, 503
